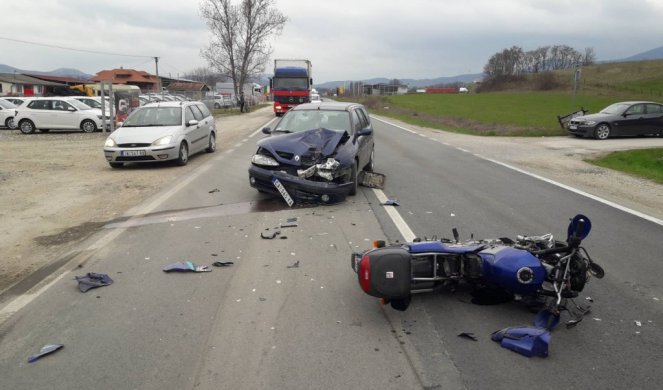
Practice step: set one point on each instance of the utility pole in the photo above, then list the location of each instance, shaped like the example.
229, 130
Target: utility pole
156, 64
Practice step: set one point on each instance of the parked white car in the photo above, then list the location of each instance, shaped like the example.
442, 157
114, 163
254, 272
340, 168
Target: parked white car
95, 102
162, 131
7, 111
64, 113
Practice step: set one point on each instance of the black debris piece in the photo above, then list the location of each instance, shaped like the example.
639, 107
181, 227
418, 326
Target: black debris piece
45, 350
214, 190
391, 202
92, 280
283, 237
294, 265
268, 236
222, 263
468, 335
186, 266
291, 222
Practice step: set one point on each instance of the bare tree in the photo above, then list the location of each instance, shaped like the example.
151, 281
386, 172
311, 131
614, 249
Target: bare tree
240, 47
589, 58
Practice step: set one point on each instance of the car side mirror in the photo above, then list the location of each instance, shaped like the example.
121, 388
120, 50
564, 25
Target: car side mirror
363, 132
192, 122
72, 109
266, 130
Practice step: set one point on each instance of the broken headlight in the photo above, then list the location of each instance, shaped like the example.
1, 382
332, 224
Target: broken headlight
263, 160
327, 170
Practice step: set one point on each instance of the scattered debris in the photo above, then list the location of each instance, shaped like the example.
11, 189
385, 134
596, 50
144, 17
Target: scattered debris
268, 236
526, 340
214, 190
222, 263
283, 237
589, 299
186, 266
294, 265
291, 222
638, 323
468, 335
372, 179
391, 202
45, 350
92, 280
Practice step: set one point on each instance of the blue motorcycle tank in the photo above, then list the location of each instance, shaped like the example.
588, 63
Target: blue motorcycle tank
441, 247
515, 270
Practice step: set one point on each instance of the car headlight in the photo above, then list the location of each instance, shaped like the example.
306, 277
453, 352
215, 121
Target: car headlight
590, 123
261, 159
163, 141
110, 142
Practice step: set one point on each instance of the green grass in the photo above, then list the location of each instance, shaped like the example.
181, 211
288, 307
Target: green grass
647, 163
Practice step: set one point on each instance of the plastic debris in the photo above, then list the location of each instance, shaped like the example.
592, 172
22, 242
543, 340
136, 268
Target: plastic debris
372, 179
638, 323
222, 263
546, 320
291, 222
92, 280
214, 190
391, 202
590, 299
526, 340
45, 350
268, 236
186, 266
294, 265
468, 335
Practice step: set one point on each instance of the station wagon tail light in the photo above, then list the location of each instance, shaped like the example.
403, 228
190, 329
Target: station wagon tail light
163, 141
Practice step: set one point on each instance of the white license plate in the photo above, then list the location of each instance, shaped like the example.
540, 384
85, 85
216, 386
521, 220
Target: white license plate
132, 153
573, 127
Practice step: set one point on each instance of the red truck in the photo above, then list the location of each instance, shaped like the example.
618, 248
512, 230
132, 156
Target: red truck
291, 84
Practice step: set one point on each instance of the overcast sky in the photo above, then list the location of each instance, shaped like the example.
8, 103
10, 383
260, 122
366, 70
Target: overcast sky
344, 39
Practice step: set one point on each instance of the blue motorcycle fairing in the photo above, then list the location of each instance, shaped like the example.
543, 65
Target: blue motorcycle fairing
514, 270
441, 247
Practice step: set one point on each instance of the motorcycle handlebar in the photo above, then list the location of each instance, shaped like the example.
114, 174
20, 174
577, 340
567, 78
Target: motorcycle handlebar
551, 251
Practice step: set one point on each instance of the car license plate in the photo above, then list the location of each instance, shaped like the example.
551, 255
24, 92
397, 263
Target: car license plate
283, 191
132, 153
573, 127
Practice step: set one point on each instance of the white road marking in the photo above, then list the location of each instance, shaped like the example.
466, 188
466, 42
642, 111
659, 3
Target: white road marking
402, 227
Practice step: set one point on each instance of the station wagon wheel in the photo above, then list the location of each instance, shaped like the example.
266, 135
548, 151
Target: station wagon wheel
88, 126
212, 143
183, 157
26, 126
354, 176
9, 123
602, 131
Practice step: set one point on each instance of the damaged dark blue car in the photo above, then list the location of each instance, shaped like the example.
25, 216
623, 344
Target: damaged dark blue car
315, 153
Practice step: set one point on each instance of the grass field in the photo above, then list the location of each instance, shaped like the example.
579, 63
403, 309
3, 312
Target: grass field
647, 163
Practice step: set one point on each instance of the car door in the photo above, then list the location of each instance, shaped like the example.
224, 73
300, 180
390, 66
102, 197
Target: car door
654, 113
633, 121
38, 111
192, 133
63, 115
362, 141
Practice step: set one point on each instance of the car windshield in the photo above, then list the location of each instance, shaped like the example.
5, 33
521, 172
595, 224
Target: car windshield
154, 116
92, 103
296, 121
6, 104
290, 83
78, 104
616, 108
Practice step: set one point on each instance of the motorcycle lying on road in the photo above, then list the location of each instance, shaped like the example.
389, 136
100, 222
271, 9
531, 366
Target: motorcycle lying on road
538, 270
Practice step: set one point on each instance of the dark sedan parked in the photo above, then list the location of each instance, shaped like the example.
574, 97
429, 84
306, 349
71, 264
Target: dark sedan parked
315, 153
620, 119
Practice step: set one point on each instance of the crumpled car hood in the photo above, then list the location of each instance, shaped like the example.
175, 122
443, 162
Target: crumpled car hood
322, 142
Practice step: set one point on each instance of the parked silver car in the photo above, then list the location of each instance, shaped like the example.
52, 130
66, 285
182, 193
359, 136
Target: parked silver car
162, 131
7, 111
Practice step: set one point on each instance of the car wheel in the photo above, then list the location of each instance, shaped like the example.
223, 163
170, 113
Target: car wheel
369, 166
183, 157
602, 131
211, 147
217, 106
88, 126
9, 123
116, 164
26, 126
354, 176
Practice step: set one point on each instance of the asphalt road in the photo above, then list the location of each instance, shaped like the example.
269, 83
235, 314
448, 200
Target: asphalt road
289, 313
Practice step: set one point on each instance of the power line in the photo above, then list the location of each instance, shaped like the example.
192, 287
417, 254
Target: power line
74, 49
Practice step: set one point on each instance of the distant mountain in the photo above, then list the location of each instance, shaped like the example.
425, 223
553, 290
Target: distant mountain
653, 54
62, 72
412, 83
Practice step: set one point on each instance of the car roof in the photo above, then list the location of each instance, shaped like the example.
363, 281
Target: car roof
327, 106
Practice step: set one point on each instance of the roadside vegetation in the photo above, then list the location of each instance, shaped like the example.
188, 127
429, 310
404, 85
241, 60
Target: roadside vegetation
647, 163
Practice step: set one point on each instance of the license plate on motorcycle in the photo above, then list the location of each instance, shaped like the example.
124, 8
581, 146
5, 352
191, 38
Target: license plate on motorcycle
132, 153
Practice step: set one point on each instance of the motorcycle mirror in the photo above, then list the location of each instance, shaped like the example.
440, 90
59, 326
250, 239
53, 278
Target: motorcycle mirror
455, 232
596, 270
579, 227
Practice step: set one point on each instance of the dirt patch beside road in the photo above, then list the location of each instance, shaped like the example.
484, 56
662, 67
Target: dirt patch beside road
56, 189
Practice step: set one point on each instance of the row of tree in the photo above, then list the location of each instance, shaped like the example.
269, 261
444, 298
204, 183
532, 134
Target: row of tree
515, 61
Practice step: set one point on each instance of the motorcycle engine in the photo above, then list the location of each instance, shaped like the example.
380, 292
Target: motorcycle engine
579, 270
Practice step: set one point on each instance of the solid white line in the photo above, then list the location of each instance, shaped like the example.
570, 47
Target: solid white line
564, 186
402, 227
